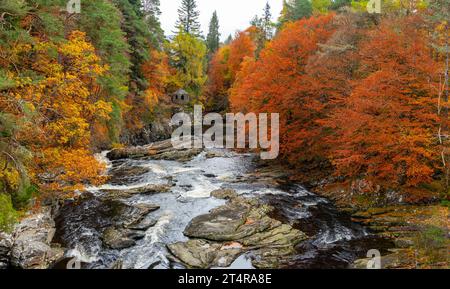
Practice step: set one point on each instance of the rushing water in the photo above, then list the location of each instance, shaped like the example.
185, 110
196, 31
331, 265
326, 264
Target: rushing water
335, 242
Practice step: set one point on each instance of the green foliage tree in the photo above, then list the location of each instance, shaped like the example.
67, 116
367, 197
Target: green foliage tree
8, 215
264, 28
137, 35
337, 4
213, 38
152, 13
187, 56
301, 9
321, 6
294, 10
188, 18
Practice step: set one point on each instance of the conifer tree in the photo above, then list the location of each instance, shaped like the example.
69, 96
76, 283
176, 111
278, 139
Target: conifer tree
213, 38
188, 15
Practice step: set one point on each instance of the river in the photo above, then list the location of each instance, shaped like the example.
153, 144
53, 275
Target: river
334, 240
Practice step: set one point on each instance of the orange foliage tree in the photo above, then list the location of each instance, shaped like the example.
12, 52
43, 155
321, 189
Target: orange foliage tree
386, 131
142, 107
224, 67
62, 106
277, 83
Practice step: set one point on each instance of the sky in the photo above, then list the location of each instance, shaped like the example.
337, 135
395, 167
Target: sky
233, 14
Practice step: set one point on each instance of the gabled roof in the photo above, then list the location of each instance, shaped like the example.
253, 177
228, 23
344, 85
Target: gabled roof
181, 92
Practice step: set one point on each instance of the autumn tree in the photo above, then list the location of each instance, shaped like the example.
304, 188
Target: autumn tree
224, 67
437, 18
143, 106
387, 127
276, 83
64, 105
187, 58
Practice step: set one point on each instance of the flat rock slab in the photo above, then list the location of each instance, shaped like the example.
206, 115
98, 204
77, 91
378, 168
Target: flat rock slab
128, 193
204, 254
119, 239
220, 224
125, 175
228, 231
163, 150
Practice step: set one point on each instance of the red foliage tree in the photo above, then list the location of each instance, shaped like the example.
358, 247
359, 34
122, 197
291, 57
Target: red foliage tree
386, 130
277, 83
224, 67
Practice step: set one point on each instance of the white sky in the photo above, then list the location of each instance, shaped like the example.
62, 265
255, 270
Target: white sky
233, 14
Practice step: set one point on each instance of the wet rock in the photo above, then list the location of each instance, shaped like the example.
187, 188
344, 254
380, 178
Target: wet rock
178, 155
236, 220
204, 254
271, 257
124, 175
220, 224
224, 194
142, 225
399, 259
32, 248
159, 151
6, 243
130, 216
144, 190
239, 226
140, 151
216, 154
119, 239
282, 235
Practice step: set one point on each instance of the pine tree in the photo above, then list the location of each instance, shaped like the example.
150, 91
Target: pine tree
137, 37
264, 28
229, 39
213, 38
188, 18
267, 25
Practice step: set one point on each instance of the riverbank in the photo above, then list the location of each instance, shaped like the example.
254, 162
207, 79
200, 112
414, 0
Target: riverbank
420, 232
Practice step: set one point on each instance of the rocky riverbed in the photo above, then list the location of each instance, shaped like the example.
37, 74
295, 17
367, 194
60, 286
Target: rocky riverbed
166, 208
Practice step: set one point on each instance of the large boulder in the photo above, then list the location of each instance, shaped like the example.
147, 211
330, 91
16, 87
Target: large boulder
224, 194
6, 243
239, 226
32, 247
129, 226
163, 150
123, 175
221, 224
128, 193
118, 238
205, 254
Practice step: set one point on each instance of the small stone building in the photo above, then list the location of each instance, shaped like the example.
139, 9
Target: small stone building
181, 97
